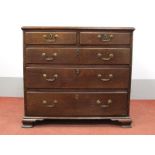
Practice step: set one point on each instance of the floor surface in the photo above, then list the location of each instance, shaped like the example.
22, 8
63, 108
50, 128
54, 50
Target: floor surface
11, 113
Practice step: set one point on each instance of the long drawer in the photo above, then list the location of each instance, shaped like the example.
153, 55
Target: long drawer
76, 77
104, 38
76, 103
51, 37
78, 55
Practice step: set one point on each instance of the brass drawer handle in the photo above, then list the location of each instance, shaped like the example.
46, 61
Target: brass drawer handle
105, 37
104, 105
110, 56
55, 76
50, 37
49, 105
105, 79
49, 58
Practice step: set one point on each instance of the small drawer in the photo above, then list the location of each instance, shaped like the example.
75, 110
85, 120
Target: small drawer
103, 38
78, 55
76, 104
76, 77
50, 37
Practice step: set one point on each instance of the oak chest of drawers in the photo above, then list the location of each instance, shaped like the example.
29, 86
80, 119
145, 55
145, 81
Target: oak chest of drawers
77, 73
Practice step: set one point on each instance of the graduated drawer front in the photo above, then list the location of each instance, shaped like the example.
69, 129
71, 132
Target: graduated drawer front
76, 77
76, 103
50, 37
101, 38
78, 55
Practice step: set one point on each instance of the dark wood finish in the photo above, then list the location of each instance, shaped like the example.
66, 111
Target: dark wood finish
76, 104
77, 77
79, 56
92, 38
77, 73
40, 28
38, 37
124, 121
